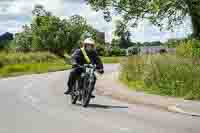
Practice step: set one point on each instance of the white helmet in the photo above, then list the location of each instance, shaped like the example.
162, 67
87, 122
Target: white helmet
89, 41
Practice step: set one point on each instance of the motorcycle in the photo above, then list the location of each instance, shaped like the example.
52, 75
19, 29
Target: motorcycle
84, 85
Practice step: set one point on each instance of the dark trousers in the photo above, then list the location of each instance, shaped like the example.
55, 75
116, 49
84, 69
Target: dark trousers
74, 74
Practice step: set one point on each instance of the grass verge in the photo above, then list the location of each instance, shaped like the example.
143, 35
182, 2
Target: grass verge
23, 69
17, 63
167, 75
112, 60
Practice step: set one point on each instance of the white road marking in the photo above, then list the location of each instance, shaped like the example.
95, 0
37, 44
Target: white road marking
33, 99
124, 129
29, 85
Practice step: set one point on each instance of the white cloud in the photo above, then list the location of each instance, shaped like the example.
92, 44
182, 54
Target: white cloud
15, 13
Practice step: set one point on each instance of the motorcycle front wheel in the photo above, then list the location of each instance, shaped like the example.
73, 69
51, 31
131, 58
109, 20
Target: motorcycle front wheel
87, 92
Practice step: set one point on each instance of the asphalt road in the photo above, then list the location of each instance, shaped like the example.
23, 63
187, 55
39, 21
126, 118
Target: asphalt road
36, 104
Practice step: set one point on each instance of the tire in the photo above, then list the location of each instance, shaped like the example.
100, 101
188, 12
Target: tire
87, 94
74, 97
86, 100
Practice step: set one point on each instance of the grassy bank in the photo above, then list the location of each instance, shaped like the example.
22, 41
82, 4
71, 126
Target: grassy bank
168, 75
22, 69
13, 64
27, 58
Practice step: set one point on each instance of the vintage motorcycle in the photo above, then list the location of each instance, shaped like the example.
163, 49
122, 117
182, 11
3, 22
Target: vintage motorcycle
84, 85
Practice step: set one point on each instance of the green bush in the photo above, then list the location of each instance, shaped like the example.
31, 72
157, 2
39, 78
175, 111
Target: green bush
133, 50
189, 48
101, 50
116, 52
123, 52
163, 74
173, 43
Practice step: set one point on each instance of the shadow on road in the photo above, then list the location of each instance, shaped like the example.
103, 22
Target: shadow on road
105, 106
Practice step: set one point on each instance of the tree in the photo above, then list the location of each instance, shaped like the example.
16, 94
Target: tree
78, 28
50, 33
39, 10
101, 50
5, 40
23, 40
158, 12
123, 34
115, 43
98, 36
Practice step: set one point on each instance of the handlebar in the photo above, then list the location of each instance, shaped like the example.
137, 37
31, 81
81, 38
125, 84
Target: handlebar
87, 65
90, 66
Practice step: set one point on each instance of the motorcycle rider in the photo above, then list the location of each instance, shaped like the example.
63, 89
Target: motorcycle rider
85, 55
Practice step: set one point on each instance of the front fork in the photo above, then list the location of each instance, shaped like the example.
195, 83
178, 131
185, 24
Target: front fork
92, 84
89, 89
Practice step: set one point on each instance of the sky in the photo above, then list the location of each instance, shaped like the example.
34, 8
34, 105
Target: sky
15, 13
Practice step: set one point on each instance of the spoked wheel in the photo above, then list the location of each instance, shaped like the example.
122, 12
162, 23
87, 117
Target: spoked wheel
86, 94
74, 96
85, 100
74, 99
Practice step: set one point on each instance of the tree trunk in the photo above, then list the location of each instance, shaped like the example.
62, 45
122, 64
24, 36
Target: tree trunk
195, 17
196, 25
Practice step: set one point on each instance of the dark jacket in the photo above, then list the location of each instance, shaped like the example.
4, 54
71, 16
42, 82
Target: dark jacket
77, 58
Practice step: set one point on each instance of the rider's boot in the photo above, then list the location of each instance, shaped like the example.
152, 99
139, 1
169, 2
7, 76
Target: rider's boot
68, 91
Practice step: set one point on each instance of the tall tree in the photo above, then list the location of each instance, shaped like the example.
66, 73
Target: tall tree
158, 12
39, 10
78, 27
23, 40
5, 40
123, 34
48, 32
98, 36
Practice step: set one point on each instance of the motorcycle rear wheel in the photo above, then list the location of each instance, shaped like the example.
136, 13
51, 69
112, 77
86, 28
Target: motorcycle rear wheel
74, 97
